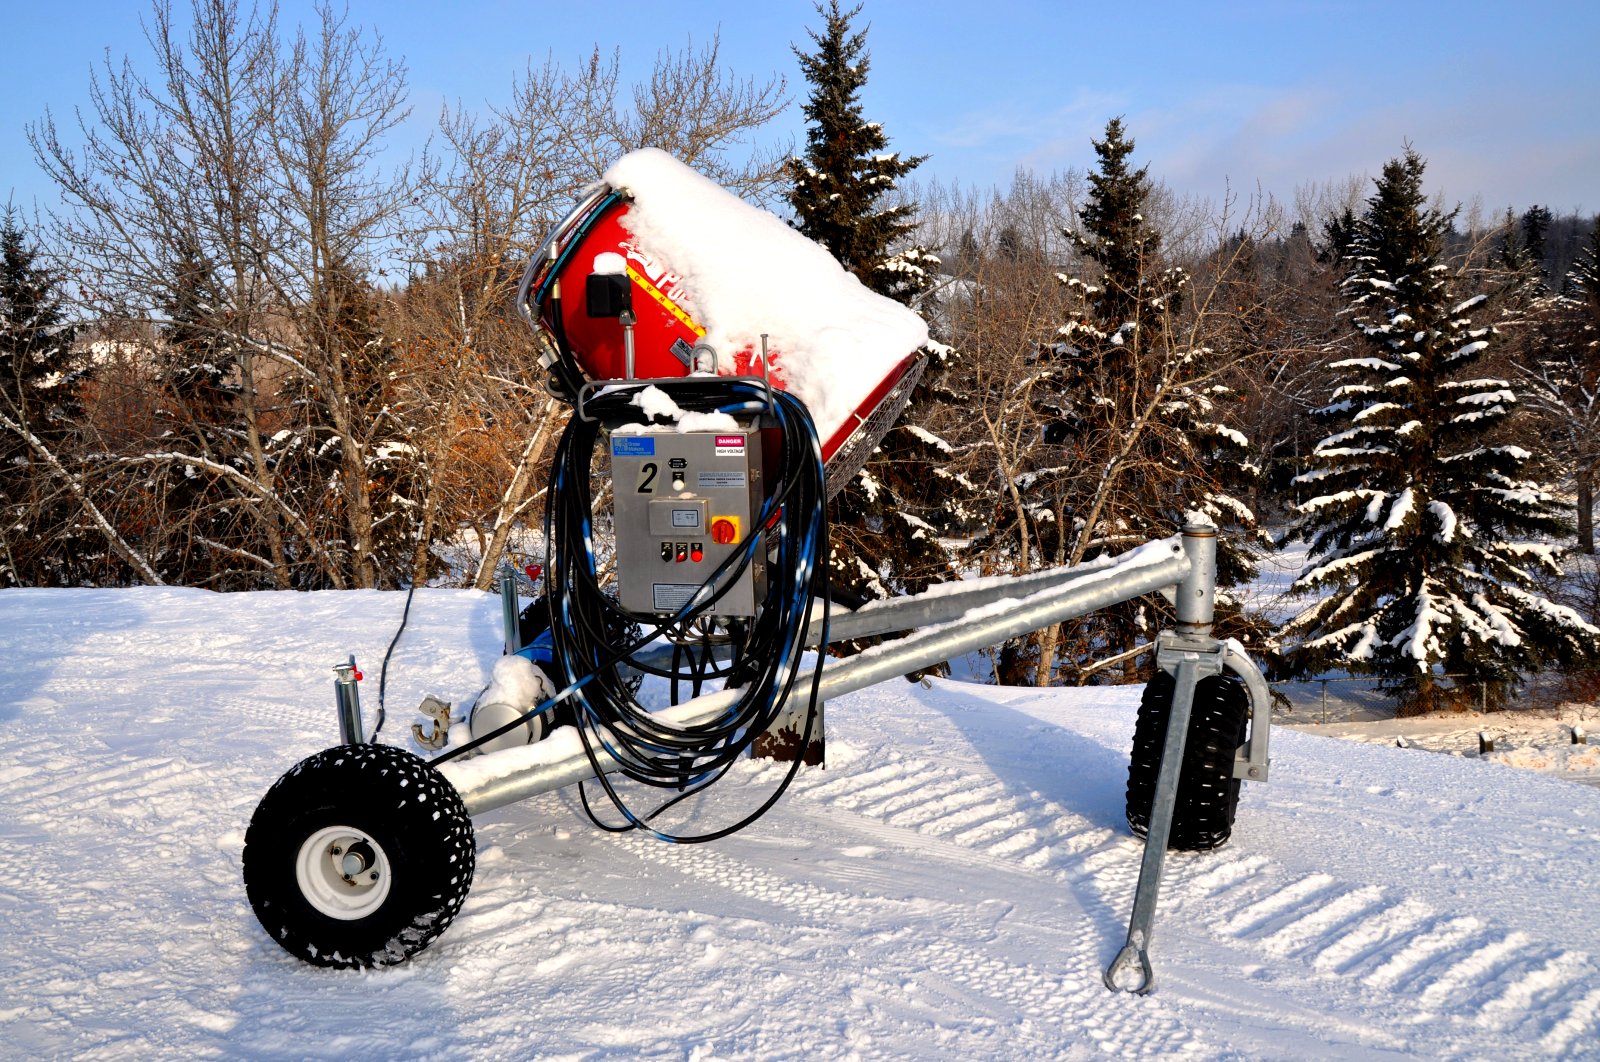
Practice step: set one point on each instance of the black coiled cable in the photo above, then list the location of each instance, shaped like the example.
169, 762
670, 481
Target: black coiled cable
767, 650
651, 749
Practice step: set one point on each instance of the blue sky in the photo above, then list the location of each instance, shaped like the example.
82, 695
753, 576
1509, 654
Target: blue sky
1504, 105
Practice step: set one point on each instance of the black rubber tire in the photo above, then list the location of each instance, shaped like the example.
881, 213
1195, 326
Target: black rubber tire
533, 620
1208, 793
405, 810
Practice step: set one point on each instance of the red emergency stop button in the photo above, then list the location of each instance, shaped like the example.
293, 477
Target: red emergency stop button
724, 530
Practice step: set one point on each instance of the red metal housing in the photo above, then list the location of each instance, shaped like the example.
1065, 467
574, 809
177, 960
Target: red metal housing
666, 330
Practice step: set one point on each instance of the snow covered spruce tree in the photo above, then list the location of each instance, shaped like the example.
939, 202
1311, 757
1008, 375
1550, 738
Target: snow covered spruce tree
1580, 380
1127, 400
41, 543
887, 520
1521, 261
843, 187
1428, 540
1559, 368
207, 536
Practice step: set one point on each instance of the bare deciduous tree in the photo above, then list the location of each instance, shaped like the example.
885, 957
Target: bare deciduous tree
508, 179
1082, 457
170, 170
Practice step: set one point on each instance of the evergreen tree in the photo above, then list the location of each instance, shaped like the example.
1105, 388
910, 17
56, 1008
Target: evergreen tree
888, 519
196, 357
1427, 539
1583, 282
1287, 310
847, 175
1580, 378
39, 380
1521, 265
1560, 366
208, 529
1130, 414
1536, 222
1338, 235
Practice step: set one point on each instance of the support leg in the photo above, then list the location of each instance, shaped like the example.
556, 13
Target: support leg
1131, 970
1188, 656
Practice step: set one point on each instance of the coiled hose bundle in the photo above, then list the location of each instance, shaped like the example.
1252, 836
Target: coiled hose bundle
766, 649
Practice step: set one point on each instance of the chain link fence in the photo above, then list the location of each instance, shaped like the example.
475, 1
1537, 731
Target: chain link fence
1354, 699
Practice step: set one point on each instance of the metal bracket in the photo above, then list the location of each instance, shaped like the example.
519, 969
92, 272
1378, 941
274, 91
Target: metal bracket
1188, 658
439, 712
510, 610
1251, 763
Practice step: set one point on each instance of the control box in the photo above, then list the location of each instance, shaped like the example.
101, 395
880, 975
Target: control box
684, 503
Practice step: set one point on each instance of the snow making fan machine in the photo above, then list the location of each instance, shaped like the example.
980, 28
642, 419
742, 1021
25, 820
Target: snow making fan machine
730, 377
608, 309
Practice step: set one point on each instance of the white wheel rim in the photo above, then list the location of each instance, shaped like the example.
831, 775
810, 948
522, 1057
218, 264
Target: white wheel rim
343, 873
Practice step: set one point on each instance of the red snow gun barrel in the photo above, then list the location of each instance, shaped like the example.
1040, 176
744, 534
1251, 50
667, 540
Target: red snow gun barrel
623, 257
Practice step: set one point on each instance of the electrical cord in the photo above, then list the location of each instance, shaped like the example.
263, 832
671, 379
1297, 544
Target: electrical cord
586, 625
566, 376
767, 650
383, 670
793, 519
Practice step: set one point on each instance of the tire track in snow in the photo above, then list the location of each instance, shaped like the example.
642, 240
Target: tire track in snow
938, 949
31, 758
1463, 974
88, 833
1361, 942
1421, 948
1579, 1024
81, 784
1562, 971
1281, 903
1230, 874
1384, 944
945, 802
1325, 921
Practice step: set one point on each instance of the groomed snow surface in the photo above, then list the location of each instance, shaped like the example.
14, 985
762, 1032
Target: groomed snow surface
951, 886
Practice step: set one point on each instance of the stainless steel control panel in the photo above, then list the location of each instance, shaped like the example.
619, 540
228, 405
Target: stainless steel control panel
685, 502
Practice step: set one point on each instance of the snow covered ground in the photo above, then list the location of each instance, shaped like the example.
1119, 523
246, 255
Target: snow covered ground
951, 886
1537, 740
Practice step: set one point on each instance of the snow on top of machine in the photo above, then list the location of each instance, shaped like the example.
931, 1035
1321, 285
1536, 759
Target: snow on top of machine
834, 339
656, 403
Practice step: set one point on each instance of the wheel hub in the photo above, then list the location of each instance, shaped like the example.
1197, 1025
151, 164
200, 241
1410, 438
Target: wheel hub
342, 872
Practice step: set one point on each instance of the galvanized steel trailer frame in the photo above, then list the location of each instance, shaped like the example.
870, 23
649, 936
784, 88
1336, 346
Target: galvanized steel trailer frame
946, 624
